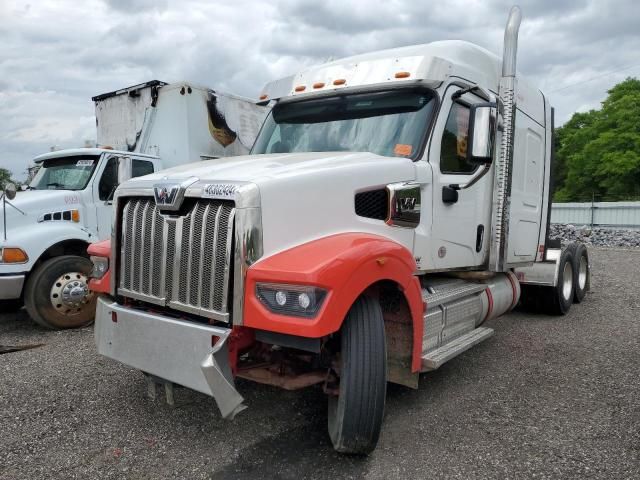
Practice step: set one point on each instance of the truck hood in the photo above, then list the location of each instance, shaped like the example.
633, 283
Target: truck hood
44, 199
264, 168
36, 203
302, 196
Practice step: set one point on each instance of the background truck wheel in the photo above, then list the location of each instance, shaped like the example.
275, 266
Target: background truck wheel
562, 294
355, 414
8, 306
581, 272
57, 294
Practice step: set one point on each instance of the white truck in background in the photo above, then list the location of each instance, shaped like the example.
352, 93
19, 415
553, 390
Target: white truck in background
67, 206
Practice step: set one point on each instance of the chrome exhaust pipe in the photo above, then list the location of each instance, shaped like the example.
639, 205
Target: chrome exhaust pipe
504, 162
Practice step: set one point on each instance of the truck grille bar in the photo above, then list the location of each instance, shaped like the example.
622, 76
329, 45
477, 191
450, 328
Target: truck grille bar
182, 262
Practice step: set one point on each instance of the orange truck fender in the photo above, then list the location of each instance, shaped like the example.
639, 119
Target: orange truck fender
346, 265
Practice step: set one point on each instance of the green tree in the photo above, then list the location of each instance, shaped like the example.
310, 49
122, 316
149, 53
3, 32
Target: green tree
598, 152
5, 177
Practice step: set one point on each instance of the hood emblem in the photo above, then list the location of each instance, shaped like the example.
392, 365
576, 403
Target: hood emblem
167, 196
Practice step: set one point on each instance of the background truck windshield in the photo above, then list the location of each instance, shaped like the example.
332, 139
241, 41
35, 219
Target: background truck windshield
390, 123
71, 173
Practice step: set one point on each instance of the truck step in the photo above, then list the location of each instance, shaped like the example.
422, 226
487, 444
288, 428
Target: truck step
435, 358
448, 293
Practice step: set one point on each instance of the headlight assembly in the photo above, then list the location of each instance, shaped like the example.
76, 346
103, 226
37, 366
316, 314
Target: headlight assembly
292, 300
100, 267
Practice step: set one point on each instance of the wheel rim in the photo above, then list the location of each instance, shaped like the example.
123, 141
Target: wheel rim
567, 281
582, 272
70, 294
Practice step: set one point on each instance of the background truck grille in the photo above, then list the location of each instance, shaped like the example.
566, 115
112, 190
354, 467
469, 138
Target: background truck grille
183, 262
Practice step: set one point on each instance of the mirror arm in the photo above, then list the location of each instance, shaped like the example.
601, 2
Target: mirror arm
109, 199
475, 178
478, 90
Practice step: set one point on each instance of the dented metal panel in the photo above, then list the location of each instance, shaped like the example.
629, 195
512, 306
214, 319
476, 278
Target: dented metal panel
180, 123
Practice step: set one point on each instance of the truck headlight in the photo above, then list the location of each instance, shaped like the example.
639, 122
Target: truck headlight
100, 267
13, 255
293, 300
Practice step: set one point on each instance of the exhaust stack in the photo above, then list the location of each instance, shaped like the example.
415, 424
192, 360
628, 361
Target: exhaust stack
504, 162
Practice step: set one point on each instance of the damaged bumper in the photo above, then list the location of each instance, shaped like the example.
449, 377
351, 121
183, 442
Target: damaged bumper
189, 354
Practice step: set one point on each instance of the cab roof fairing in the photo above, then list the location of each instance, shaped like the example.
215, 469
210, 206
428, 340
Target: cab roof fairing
72, 152
429, 64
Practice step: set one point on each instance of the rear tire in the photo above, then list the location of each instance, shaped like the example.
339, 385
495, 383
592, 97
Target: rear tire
562, 294
355, 415
581, 273
57, 295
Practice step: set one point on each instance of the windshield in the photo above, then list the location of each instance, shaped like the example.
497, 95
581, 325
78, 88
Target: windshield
390, 123
70, 173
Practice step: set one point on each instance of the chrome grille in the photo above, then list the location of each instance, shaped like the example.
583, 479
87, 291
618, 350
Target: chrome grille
178, 261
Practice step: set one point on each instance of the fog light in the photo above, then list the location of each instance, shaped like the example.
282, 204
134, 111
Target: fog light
281, 298
304, 301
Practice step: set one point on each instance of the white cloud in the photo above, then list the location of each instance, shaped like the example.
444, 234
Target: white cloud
56, 54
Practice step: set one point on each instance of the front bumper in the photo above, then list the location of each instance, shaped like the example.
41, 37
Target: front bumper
175, 350
11, 286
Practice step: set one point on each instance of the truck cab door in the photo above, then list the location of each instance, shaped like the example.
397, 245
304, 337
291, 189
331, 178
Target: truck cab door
461, 217
106, 186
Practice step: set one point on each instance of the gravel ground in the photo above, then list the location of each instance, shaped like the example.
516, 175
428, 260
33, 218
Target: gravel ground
597, 236
546, 397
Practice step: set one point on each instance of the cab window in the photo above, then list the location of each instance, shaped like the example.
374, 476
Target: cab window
453, 150
109, 179
141, 167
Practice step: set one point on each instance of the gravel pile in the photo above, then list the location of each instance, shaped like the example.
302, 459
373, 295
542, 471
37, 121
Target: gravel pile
600, 237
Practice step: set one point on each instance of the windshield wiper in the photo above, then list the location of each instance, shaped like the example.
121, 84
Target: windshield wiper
54, 184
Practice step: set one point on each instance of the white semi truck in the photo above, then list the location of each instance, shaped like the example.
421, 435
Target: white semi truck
392, 204
68, 205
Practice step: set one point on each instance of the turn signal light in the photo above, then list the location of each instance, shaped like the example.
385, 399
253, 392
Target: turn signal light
14, 255
75, 215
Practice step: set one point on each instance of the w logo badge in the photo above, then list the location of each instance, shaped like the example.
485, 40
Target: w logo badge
166, 195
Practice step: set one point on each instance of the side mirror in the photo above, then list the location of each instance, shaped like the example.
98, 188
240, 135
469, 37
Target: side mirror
10, 191
124, 169
482, 130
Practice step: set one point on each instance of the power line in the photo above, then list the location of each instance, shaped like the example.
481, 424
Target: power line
595, 78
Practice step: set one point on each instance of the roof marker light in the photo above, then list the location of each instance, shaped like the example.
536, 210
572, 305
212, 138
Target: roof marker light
318, 85
300, 88
340, 81
264, 96
403, 75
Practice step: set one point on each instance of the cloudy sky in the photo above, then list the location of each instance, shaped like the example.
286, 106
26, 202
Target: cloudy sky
56, 54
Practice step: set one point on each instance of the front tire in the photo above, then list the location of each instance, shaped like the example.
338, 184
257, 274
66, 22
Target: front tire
355, 414
57, 294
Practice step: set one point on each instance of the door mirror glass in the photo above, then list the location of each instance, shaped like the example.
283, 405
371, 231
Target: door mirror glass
10, 191
124, 169
481, 133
